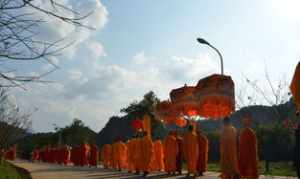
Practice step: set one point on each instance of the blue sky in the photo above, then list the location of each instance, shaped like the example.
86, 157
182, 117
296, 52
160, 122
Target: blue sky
151, 45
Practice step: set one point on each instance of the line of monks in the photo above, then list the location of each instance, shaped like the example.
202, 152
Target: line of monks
141, 154
238, 154
83, 155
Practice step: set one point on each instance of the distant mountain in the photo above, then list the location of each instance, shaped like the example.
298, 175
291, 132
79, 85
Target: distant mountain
261, 115
119, 127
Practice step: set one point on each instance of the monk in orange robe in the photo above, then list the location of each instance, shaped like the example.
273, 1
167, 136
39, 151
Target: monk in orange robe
203, 152
34, 155
73, 155
65, 155
170, 151
130, 154
137, 153
107, 155
120, 151
94, 156
179, 157
228, 151
248, 156
191, 150
84, 153
114, 155
158, 163
147, 153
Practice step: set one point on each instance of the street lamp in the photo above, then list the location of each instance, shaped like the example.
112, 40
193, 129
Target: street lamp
203, 41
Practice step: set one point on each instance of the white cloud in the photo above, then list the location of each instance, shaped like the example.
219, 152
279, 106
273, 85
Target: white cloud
75, 74
96, 49
55, 29
94, 98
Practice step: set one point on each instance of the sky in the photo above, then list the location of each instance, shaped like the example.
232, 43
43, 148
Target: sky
138, 46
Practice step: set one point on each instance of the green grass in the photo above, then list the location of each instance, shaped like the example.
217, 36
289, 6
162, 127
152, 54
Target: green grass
276, 168
8, 171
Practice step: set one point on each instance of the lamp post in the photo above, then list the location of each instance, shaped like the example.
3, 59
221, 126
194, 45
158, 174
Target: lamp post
203, 41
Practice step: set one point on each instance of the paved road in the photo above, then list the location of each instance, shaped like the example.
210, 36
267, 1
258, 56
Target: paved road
50, 171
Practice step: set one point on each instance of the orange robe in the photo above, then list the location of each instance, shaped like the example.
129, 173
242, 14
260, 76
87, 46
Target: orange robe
84, 153
137, 154
191, 151
35, 155
130, 155
170, 150
248, 157
121, 155
147, 153
114, 158
228, 152
107, 155
203, 153
158, 163
94, 156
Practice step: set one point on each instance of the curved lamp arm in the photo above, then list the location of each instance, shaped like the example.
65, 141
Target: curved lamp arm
203, 41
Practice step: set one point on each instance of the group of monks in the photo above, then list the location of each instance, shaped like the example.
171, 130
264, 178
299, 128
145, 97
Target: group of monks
83, 155
141, 154
238, 154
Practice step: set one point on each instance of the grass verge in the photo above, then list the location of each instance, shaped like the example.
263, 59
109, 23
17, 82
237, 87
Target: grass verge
9, 171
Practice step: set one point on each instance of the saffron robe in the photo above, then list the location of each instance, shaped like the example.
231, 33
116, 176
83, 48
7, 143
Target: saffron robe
171, 151
248, 156
94, 156
147, 150
191, 151
203, 153
228, 152
158, 162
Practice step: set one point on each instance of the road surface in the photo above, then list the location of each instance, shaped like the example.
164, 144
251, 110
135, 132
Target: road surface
51, 171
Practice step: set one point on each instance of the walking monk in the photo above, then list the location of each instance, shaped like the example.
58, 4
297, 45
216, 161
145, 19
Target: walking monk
228, 151
84, 153
191, 151
203, 152
131, 154
158, 163
248, 156
179, 156
137, 153
171, 151
147, 153
94, 156
120, 155
107, 156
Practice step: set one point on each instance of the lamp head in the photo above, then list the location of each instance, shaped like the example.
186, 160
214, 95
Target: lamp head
202, 41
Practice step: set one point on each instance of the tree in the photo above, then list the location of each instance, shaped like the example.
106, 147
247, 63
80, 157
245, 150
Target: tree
76, 133
13, 122
120, 127
19, 41
276, 95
